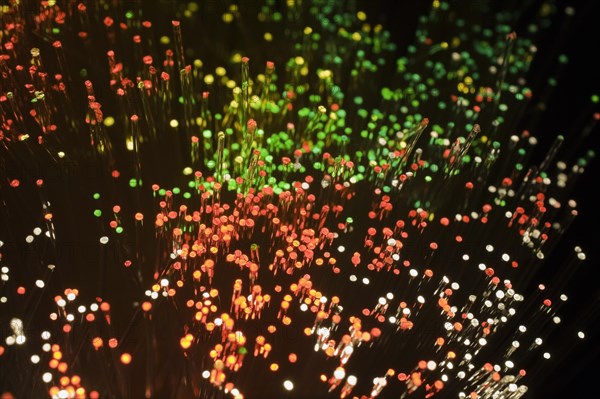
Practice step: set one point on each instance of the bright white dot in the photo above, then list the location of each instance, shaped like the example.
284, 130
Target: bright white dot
497, 368
63, 394
522, 329
45, 335
406, 311
235, 392
4, 269
39, 284
70, 317
288, 385
339, 373
465, 257
413, 273
103, 240
81, 309
164, 282
563, 298
431, 365
29, 239
556, 320
352, 380
94, 307
173, 123
581, 335
505, 257
365, 281
20, 339
35, 359
323, 299
46, 347
71, 296
512, 387
341, 249
461, 375
420, 299
304, 307
489, 247
509, 364
482, 267
392, 319
61, 302
519, 297
47, 377
218, 321
546, 355
10, 340
455, 286
389, 296
482, 341
3, 299
445, 377
154, 295
538, 341
382, 301
4, 277
499, 294
352, 278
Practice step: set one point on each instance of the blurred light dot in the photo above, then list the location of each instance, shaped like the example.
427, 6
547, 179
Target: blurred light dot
47, 377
